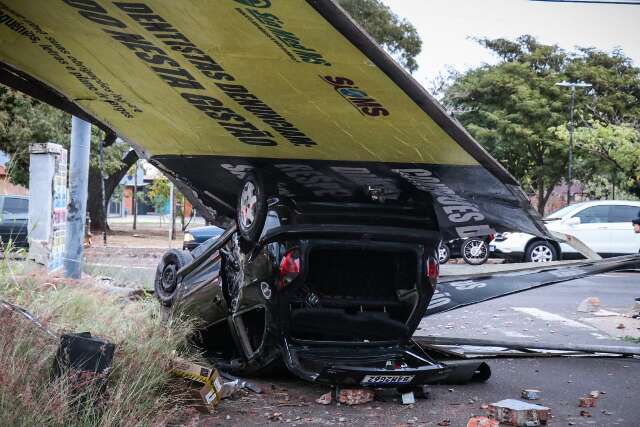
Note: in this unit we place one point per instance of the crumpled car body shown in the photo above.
(335, 304)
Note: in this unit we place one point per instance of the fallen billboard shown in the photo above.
(209, 91)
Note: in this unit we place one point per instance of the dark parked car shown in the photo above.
(14, 211)
(336, 303)
(194, 237)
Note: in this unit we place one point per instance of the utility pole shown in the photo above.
(134, 204)
(573, 87)
(77, 207)
(172, 212)
(102, 194)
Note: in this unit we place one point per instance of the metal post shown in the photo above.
(172, 212)
(134, 204)
(573, 87)
(570, 177)
(102, 194)
(77, 208)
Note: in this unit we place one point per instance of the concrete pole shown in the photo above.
(134, 205)
(77, 208)
(172, 212)
(102, 195)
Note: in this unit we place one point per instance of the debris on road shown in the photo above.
(588, 402)
(445, 423)
(212, 389)
(408, 398)
(325, 399)
(586, 414)
(351, 396)
(595, 394)
(482, 422)
(519, 414)
(589, 305)
(621, 326)
(84, 360)
(531, 394)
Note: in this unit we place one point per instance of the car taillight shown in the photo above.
(289, 268)
(491, 238)
(433, 269)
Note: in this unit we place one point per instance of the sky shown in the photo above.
(446, 25)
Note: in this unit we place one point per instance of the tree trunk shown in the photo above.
(541, 199)
(94, 201)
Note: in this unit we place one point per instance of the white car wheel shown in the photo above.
(248, 205)
(541, 251)
(475, 251)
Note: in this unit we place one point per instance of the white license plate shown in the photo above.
(492, 248)
(387, 379)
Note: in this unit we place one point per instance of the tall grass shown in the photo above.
(138, 389)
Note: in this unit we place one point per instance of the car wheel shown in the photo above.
(166, 280)
(541, 251)
(252, 209)
(444, 253)
(475, 251)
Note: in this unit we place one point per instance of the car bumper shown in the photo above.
(367, 367)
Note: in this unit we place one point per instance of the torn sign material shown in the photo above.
(210, 90)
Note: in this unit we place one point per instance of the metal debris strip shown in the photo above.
(531, 349)
(30, 317)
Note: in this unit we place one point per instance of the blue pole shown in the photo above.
(77, 208)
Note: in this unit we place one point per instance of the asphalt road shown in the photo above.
(547, 315)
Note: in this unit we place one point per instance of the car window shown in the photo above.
(593, 215)
(14, 205)
(621, 213)
(562, 211)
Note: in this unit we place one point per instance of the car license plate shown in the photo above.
(492, 248)
(387, 379)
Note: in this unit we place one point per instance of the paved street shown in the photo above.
(546, 314)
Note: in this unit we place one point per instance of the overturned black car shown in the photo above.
(336, 303)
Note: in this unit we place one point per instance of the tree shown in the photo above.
(398, 36)
(611, 151)
(158, 194)
(515, 110)
(24, 120)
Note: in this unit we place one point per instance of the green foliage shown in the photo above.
(515, 110)
(397, 35)
(24, 120)
(158, 194)
(609, 150)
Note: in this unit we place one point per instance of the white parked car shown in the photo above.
(604, 226)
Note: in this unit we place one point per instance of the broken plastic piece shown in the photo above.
(408, 398)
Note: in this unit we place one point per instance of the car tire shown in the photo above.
(165, 283)
(444, 253)
(541, 251)
(251, 209)
(475, 251)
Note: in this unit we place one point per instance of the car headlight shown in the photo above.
(188, 237)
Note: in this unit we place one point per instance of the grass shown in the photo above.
(139, 387)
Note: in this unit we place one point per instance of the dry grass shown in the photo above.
(138, 390)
